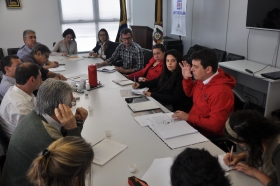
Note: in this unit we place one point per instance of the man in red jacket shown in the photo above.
(213, 98)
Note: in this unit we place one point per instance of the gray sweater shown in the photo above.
(32, 136)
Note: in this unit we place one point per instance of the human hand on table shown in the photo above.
(81, 114)
(135, 85)
(181, 115)
(146, 93)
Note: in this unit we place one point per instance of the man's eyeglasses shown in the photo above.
(47, 56)
(128, 38)
(32, 37)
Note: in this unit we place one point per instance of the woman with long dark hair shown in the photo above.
(167, 88)
(261, 139)
(104, 47)
(67, 45)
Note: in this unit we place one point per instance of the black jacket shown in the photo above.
(111, 46)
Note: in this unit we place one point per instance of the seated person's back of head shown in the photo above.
(65, 162)
(196, 167)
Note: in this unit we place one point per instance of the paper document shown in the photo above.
(76, 76)
(145, 120)
(109, 69)
(123, 81)
(139, 91)
(222, 163)
(159, 172)
(106, 150)
(57, 69)
(88, 57)
(166, 127)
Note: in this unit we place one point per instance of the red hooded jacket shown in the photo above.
(212, 103)
(150, 71)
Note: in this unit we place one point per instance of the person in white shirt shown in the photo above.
(19, 99)
(8, 66)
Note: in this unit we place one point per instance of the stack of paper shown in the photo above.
(106, 150)
(139, 91)
(123, 81)
(109, 69)
(159, 172)
(145, 120)
(57, 69)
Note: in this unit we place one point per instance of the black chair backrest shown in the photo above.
(234, 57)
(1, 53)
(193, 49)
(221, 54)
(4, 140)
(12, 51)
(148, 54)
(54, 44)
(240, 102)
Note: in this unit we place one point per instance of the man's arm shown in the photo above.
(221, 105)
(56, 75)
(124, 71)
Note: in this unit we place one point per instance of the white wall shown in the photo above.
(43, 17)
(143, 13)
(40, 16)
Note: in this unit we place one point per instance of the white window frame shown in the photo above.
(96, 20)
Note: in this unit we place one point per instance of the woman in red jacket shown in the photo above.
(153, 68)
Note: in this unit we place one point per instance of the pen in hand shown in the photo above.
(134, 79)
(230, 155)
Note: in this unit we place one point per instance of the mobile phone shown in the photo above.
(136, 99)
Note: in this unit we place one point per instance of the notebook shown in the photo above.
(123, 82)
(139, 91)
(106, 150)
(272, 75)
(109, 69)
(146, 105)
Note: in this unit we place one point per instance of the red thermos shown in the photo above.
(92, 75)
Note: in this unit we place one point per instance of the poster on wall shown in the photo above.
(178, 17)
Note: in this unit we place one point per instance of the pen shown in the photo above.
(230, 155)
(134, 79)
(61, 64)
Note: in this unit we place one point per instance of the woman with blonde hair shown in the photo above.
(64, 163)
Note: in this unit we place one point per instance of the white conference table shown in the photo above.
(110, 112)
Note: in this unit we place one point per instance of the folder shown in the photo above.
(146, 105)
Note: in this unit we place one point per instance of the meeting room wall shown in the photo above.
(40, 16)
(221, 24)
(143, 13)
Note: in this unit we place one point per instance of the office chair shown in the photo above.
(234, 57)
(240, 103)
(1, 53)
(12, 51)
(221, 55)
(148, 54)
(54, 44)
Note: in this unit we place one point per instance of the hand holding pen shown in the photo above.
(135, 85)
(231, 159)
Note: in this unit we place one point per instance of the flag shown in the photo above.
(158, 30)
(123, 19)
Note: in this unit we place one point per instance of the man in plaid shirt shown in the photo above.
(130, 52)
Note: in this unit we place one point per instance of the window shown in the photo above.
(87, 17)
